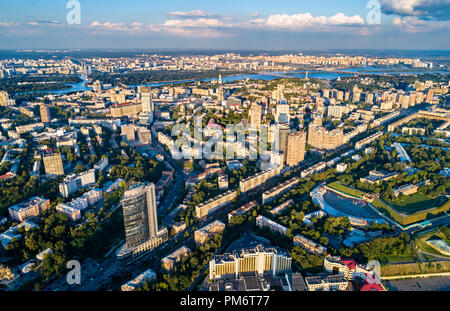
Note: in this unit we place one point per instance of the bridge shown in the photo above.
(275, 74)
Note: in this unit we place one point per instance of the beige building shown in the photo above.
(53, 164)
(45, 114)
(207, 232)
(296, 148)
(170, 260)
(204, 209)
(30, 208)
(255, 114)
(259, 259)
(121, 110)
(320, 138)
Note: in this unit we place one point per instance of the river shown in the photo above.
(323, 75)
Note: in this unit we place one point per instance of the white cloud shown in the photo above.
(8, 24)
(191, 14)
(413, 24)
(425, 9)
(305, 20)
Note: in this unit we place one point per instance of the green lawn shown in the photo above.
(415, 202)
(347, 190)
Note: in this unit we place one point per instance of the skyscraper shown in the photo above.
(45, 113)
(282, 140)
(4, 97)
(296, 143)
(255, 116)
(147, 102)
(97, 86)
(282, 113)
(139, 214)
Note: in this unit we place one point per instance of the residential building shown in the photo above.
(296, 148)
(210, 206)
(255, 114)
(170, 260)
(45, 114)
(30, 208)
(207, 232)
(147, 276)
(263, 222)
(309, 245)
(73, 183)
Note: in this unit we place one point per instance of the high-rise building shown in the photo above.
(296, 148)
(45, 114)
(283, 112)
(147, 101)
(278, 94)
(128, 132)
(335, 111)
(53, 164)
(4, 97)
(144, 135)
(97, 86)
(139, 214)
(255, 116)
(282, 140)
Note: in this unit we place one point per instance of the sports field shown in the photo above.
(405, 210)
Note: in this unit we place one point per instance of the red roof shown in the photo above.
(349, 263)
(7, 176)
(372, 288)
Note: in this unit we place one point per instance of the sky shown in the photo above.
(230, 24)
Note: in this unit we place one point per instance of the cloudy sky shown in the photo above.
(233, 24)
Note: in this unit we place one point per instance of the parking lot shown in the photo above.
(422, 284)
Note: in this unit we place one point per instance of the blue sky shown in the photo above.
(281, 24)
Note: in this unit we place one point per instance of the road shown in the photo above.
(437, 257)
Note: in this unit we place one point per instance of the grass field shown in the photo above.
(355, 192)
(415, 268)
(414, 203)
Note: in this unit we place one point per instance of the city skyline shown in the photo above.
(287, 24)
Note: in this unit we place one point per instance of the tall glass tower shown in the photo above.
(139, 214)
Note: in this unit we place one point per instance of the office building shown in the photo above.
(147, 101)
(282, 113)
(140, 222)
(53, 164)
(257, 260)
